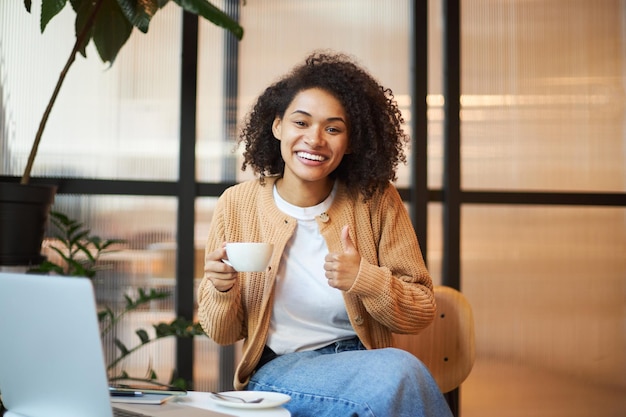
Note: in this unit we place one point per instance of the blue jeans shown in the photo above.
(345, 380)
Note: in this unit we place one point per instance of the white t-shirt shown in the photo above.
(307, 313)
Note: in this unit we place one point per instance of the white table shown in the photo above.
(203, 400)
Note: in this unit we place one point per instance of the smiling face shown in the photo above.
(314, 138)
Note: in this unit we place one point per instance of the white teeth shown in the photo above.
(310, 156)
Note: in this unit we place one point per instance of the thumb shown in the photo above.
(348, 246)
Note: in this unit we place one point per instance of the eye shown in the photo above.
(333, 130)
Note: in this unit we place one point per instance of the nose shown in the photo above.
(314, 137)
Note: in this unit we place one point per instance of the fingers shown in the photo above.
(341, 268)
(330, 278)
(217, 255)
(348, 246)
(221, 275)
(223, 283)
(336, 278)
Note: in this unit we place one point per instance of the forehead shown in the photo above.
(316, 99)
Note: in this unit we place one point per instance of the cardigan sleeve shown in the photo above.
(220, 313)
(395, 287)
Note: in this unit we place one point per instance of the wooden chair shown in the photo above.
(446, 347)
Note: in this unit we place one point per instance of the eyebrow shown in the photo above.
(330, 119)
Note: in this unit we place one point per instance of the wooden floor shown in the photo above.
(496, 389)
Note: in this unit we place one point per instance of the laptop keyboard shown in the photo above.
(118, 412)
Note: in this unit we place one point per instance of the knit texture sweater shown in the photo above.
(392, 293)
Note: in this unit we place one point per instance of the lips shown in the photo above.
(310, 156)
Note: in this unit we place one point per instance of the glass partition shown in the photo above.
(543, 109)
(542, 95)
(548, 292)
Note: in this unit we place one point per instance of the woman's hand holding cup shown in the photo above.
(222, 276)
(221, 265)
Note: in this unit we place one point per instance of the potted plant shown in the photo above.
(24, 207)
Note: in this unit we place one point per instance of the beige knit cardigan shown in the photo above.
(392, 292)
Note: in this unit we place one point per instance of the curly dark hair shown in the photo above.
(374, 120)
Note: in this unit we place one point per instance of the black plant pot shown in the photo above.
(24, 211)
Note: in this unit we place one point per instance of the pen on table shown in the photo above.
(124, 393)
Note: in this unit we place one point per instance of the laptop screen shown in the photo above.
(51, 358)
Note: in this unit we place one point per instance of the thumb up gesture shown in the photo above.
(342, 267)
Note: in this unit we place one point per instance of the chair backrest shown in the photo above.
(447, 346)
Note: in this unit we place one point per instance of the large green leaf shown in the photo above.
(111, 31)
(139, 12)
(49, 9)
(213, 14)
(116, 18)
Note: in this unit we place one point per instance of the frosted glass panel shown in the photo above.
(214, 148)
(549, 297)
(543, 100)
(117, 123)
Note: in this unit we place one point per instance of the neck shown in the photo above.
(304, 194)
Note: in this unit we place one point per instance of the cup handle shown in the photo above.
(227, 263)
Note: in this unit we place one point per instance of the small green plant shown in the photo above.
(78, 250)
(178, 327)
(78, 253)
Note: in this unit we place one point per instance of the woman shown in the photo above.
(325, 141)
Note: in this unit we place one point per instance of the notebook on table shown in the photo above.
(51, 357)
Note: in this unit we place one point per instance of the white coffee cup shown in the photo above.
(249, 256)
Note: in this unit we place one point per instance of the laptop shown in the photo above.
(51, 357)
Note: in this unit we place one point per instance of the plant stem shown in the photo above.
(130, 351)
(80, 39)
(115, 319)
